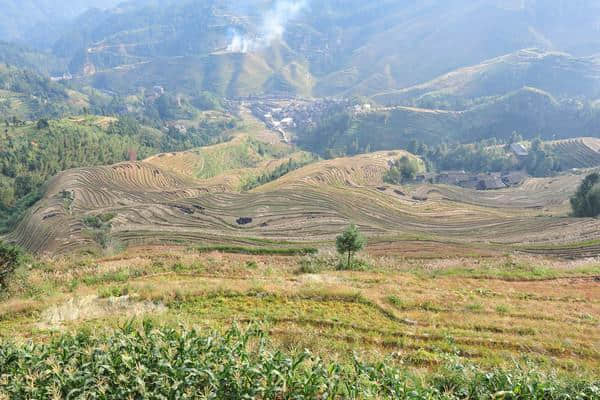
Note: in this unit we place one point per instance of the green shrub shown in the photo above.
(309, 266)
(113, 291)
(257, 251)
(402, 170)
(10, 256)
(586, 201)
(354, 265)
(397, 302)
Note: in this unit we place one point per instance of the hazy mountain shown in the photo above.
(27, 58)
(559, 74)
(332, 47)
(493, 61)
(30, 20)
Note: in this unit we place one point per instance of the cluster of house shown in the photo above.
(489, 181)
(281, 115)
(481, 181)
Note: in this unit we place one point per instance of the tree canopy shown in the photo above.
(586, 201)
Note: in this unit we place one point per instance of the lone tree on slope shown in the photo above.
(350, 242)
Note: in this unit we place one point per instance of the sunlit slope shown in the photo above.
(227, 166)
(577, 152)
(147, 203)
(358, 171)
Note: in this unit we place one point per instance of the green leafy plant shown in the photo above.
(165, 363)
(402, 170)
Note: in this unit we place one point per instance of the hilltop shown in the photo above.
(27, 95)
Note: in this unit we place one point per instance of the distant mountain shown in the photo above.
(20, 17)
(559, 74)
(327, 48)
(375, 46)
(492, 66)
(26, 58)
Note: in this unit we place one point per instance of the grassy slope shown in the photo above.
(425, 311)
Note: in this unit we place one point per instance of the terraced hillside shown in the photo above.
(227, 166)
(578, 152)
(187, 201)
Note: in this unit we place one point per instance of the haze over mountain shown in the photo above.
(330, 48)
(29, 20)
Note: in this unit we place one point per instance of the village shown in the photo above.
(285, 114)
(489, 181)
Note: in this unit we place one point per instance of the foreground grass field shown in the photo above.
(440, 324)
(183, 364)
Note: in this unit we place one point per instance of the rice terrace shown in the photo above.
(207, 199)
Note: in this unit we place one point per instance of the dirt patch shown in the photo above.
(92, 307)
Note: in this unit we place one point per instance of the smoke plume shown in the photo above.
(274, 23)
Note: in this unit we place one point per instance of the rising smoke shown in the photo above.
(274, 23)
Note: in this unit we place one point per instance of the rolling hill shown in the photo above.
(27, 95)
(529, 111)
(149, 203)
(204, 161)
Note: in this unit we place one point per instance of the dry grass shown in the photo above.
(422, 310)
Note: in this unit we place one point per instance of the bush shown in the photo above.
(113, 291)
(10, 257)
(586, 201)
(354, 265)
(312, 265)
